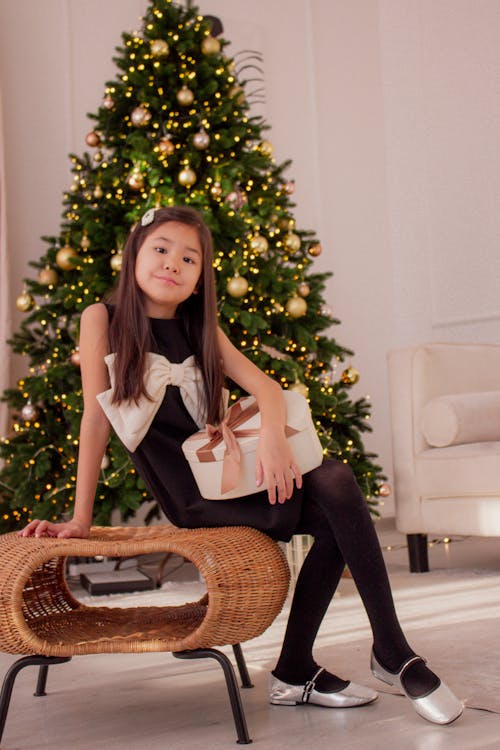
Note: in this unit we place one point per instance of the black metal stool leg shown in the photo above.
(246, 682)
(8, 683)
(42, 681)
(232, 687)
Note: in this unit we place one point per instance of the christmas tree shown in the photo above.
(175, 127)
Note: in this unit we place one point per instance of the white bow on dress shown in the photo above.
(130, 419)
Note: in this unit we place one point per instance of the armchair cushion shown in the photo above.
(467, 470)
(462, 418)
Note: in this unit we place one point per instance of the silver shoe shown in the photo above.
(440, 706)
(283, 694)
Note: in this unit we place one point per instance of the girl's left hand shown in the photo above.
(276, 466)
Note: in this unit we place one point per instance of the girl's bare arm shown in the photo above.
(94, 428)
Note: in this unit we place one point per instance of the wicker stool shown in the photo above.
(245, 573)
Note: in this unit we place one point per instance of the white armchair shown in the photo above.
(445, 412)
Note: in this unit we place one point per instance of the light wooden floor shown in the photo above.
(153, 701)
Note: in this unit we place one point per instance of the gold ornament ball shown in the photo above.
(296, 307)
(259, 244)
(326, 311)
(210, 46)
(116, 262)
(187, 177)
(85, 242)
(288, 187)
(350, 376)
(98, 193)
(136, 180)
(384, 490)
(301, 388)
(108, 102)
(185, 96)
(29, 412)
(166, 146)
(315, 250)
(66, 258)
(216, 190)
(292, 242)
(92, 139)
(159, 48)
(236, 92)
(266, 148)
(237, 286)
(105, 462)
(75, 358)
(201, 140)
(304, 289)
(286, 224)
(75, 185)
(48, 276)
(140, 116)
(24, 302)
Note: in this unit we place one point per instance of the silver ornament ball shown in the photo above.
(29, 412)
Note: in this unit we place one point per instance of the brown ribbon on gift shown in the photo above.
(228, 432)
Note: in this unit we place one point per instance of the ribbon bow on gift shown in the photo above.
(227, 431)
(130, 419)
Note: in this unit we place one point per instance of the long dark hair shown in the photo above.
(130, 330)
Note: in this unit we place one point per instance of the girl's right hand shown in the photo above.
(65, 530)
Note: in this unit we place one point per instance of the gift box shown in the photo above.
(223, 458)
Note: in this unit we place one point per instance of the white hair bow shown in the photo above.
(131, 420)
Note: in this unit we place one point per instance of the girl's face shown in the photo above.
(168, 267)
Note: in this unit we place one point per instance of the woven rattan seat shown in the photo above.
(246, 578)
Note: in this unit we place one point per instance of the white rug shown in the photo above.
(451, 618)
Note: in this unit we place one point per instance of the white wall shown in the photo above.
(354, 214)
(389, 110)
(441, 75)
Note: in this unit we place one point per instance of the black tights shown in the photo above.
(336, 515)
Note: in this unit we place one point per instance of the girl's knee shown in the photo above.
(335, 482)
(333, 472)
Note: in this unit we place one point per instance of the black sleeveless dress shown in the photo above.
(160, 462)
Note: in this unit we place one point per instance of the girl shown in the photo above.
(165, 305)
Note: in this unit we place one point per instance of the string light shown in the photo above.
(431, 543)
